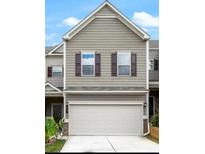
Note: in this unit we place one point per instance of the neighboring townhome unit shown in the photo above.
(153, 77)
(97, 79)
(54, 82)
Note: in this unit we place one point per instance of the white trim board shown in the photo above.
(105, 103)
(64, 64)
(89, 18)
(52, 86)
(57, 47)
(147, 64)
(55, 54)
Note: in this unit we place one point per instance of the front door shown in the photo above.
(57, 112)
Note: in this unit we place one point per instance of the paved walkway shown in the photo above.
(109, 144)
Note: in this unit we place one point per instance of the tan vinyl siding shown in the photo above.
(59, 50)
(105, 11)
(54, 95)
(104, 98)
(153, 75)
(154, 54)
(54, 61)
(106, 36)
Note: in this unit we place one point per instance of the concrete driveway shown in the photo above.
(109, 144)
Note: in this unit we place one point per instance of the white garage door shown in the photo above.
(105, 120)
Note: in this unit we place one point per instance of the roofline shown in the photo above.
(58, 46)
(67, 37)
(48, 83)
(130, 21)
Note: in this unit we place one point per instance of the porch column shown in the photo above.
(66, 125)
(64, 106)
(146, 118)
(147, 109)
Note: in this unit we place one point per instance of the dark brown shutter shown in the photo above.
(133, 65)
(114, 64)
(97, 64)
(78, 65)
(156, 64)
(49, 71)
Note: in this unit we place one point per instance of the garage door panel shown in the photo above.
(105, 119)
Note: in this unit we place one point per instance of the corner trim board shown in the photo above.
(64, 63)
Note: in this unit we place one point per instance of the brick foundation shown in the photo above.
(145, 126)
(65, 129)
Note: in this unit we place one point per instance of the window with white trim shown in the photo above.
(57, 71)
(124, 63)
(88, 63)
(151, 64)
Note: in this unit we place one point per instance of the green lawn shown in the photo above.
(55, 147)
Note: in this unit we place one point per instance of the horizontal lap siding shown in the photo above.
(59, 50)
(105, 11)
(106, 36)
(104, 98)
(153, 54)
(54, 61)
(154, 75)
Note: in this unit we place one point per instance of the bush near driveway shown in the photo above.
(51, 129)
(155, 120)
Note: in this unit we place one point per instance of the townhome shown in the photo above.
(97, 79)
(153, 77)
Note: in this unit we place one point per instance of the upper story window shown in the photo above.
(124, 63)
(154, 64)
(88, 63)
(57, 71)
(151, 64)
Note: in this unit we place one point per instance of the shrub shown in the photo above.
(51, 128)
(61, 125)
(155, 120)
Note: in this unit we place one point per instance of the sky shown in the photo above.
(62, 15)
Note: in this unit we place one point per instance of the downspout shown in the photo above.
(147, 85)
